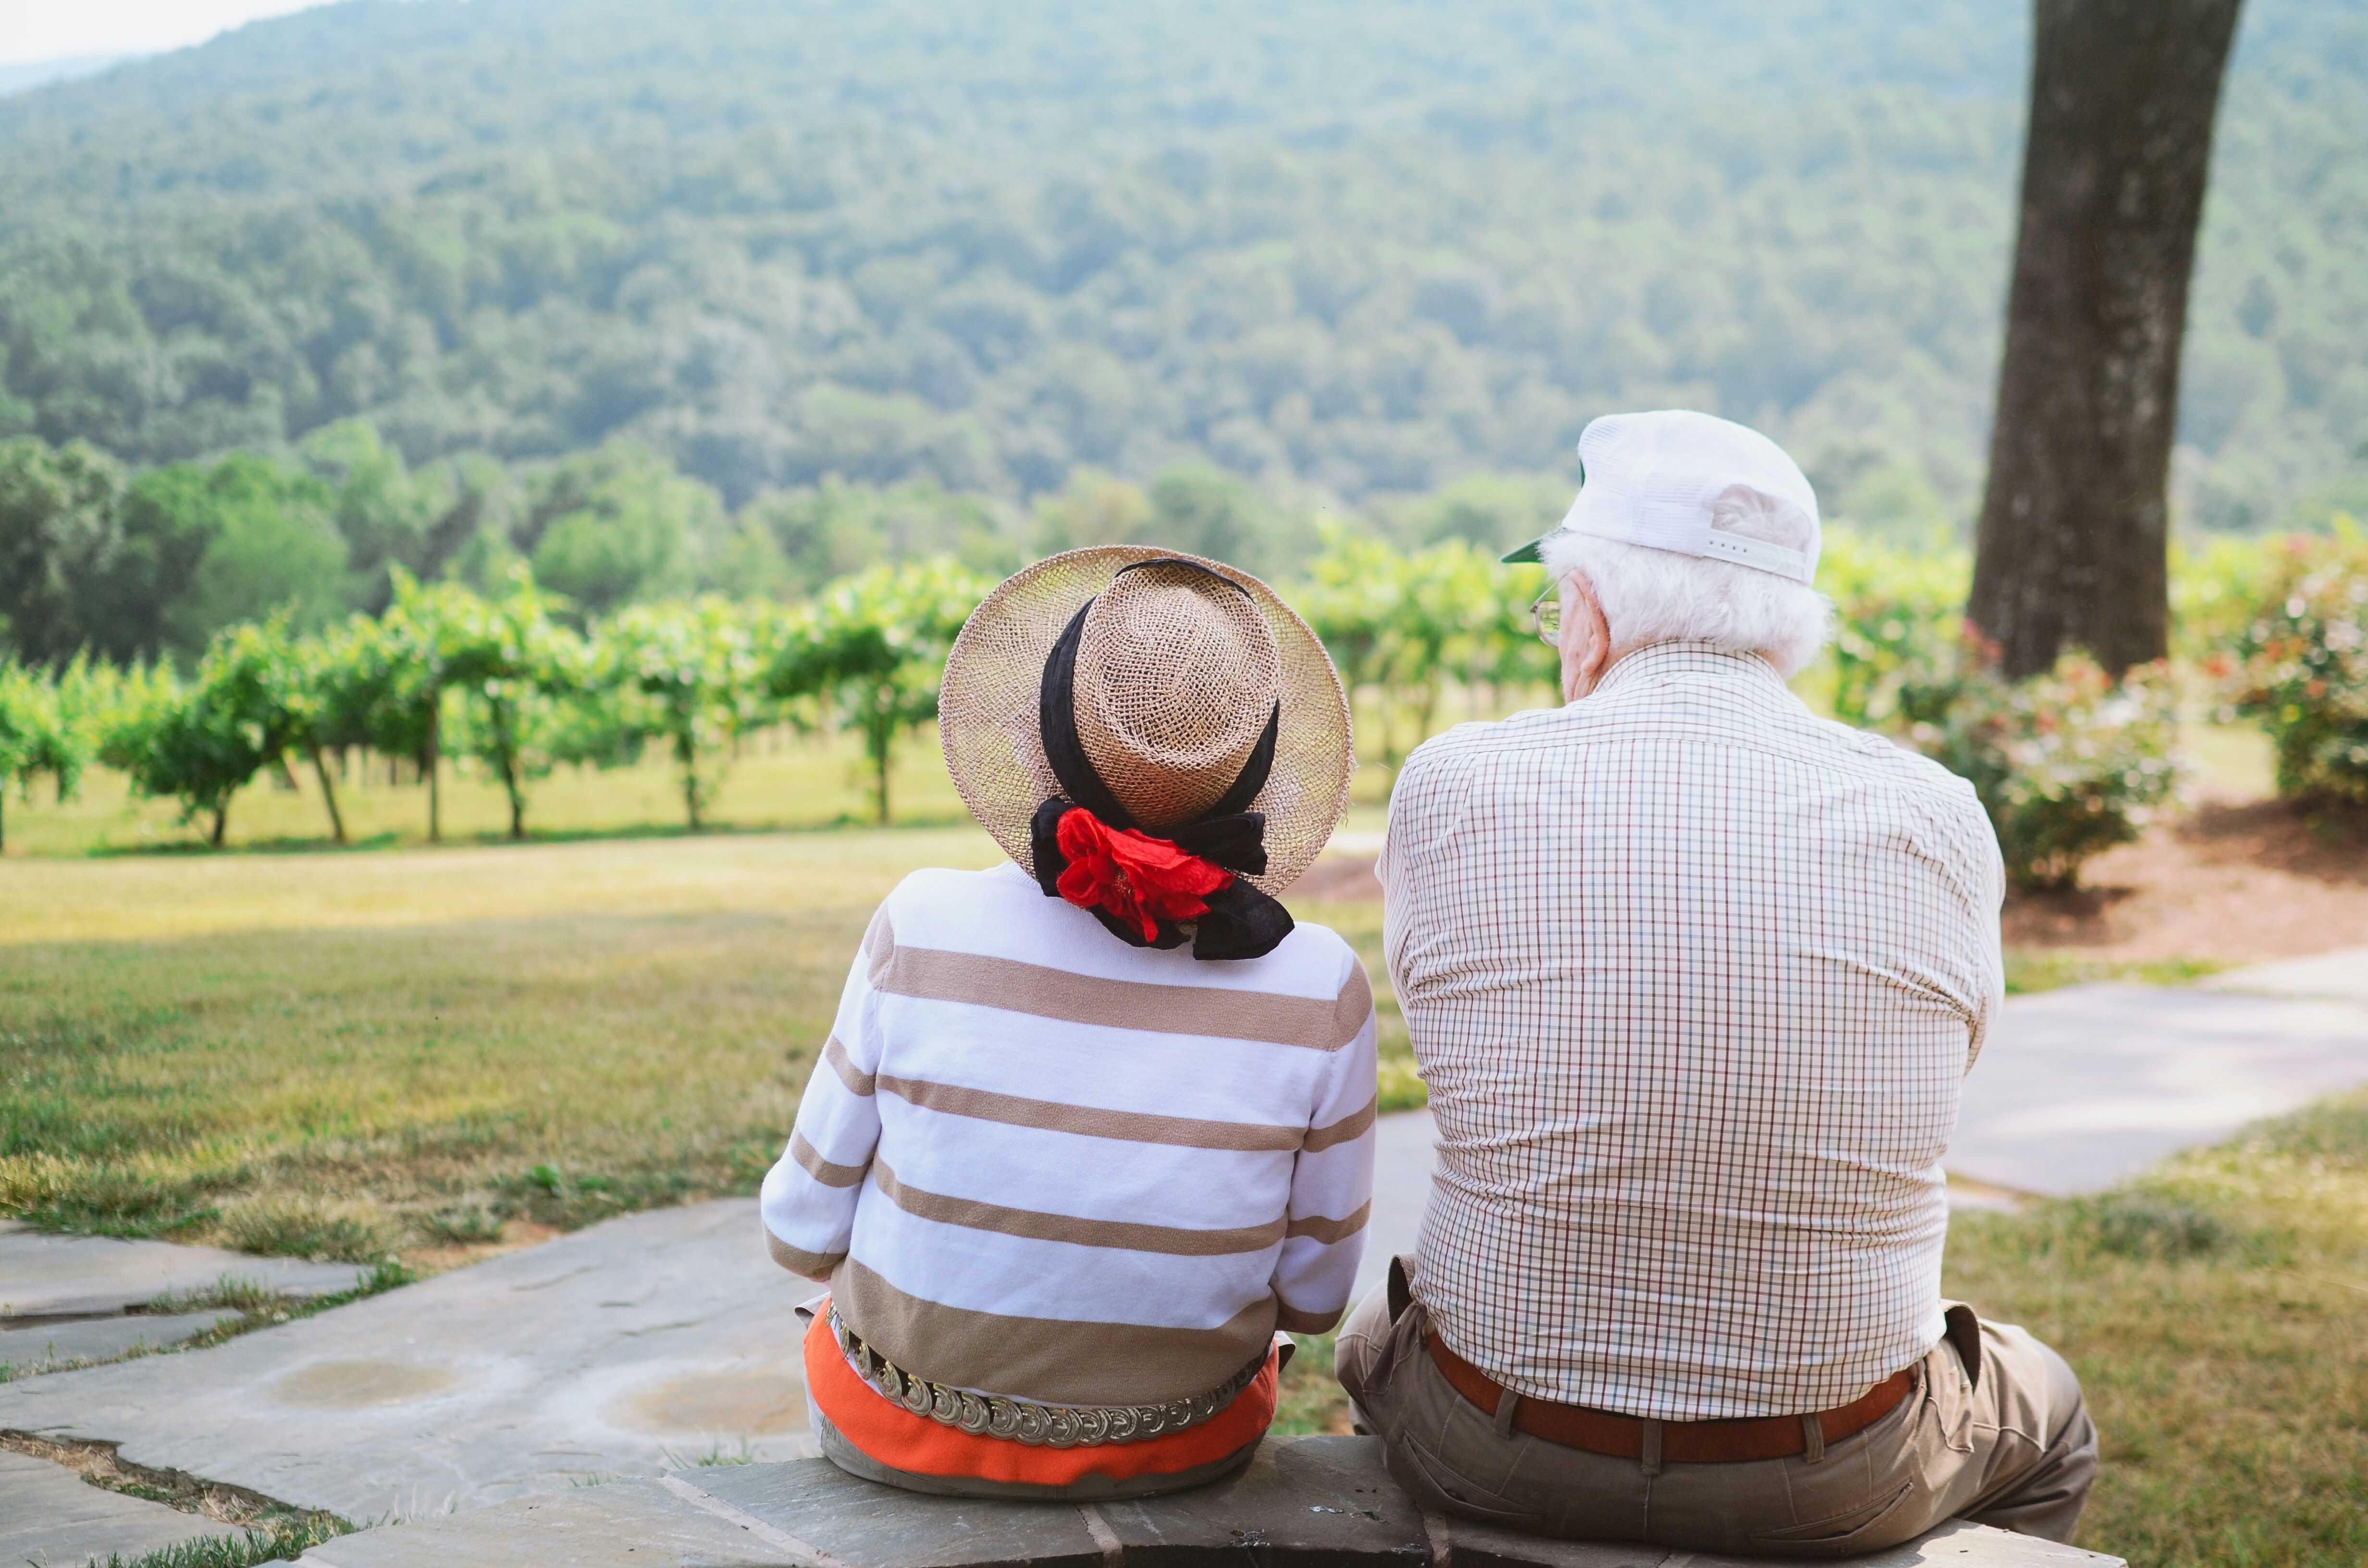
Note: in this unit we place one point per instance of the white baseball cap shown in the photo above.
(1655, 480)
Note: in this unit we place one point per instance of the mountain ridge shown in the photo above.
(1343, 249)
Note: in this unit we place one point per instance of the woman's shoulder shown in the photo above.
(1313, 961)
(943, 896)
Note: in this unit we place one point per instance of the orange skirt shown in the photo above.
(883, 1430)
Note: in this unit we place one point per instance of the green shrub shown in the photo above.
(2299, 663)
(2067, 764)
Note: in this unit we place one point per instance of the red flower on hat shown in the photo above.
(1139, 879)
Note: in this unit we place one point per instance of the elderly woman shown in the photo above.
(1092, 1126)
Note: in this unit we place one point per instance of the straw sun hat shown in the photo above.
(1155, 737)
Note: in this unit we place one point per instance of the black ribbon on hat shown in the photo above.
(1241, 922)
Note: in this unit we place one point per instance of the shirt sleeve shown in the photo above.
(1990, 955)
(1425, 801)
(1332, 1184)
(809, 1196)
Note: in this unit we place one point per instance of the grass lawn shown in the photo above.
(358, 1054)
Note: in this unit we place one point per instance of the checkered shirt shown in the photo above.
(1693, 977)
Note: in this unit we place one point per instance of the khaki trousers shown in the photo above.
(2007, 1442)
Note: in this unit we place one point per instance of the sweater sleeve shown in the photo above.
(809, 1196)
(1332, 1185)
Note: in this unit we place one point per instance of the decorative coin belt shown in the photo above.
(1037, 1426)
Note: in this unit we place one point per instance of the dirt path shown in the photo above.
(2232, 883)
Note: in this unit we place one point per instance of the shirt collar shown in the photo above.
(1668, 664)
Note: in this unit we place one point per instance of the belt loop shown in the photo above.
(1652, 1446)
(1508, 1402)
(1813, 1438)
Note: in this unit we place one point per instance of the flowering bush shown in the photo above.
(2300, 663)
(2067, 764)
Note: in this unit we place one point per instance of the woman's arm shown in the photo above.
(809, 1196)
(1332, 1185)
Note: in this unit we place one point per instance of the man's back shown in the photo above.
(1693, 977)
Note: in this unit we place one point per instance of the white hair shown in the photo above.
(1660, 595)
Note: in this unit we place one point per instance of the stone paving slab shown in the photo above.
(1302, 1503)
(2333, 977)
(639, 1343)
(46, 1275)
(100, 1339)
(2080, 1087)
(621, 1524)
(860, 1524)
(51, 1517)
(1403, 1161)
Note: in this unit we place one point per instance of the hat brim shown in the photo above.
(987, 708)
(1529, 555)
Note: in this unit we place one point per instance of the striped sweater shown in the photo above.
(1039, 1162)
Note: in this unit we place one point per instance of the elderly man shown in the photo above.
(1693, 977)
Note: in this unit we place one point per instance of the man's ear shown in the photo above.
(1586, 638)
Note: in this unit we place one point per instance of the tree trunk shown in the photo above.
(506, 730)
(329, 795)
(2074, 536)
(433, 763)
(222, 824)
(687, 753)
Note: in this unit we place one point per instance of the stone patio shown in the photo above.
(50, 1342)
(47, 1276)
(648, 1340)
(50, 1519)
(1302, 1502)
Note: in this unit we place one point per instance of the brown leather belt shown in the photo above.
(1682, 1442)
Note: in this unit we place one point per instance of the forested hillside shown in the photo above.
(1332, 247)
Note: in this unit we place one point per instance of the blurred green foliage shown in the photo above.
(1355, 251)
(1896, 614)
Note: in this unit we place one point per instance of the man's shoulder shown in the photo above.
(1908, 770)
(1483, 737)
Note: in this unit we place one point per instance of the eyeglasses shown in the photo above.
(1545, 615)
